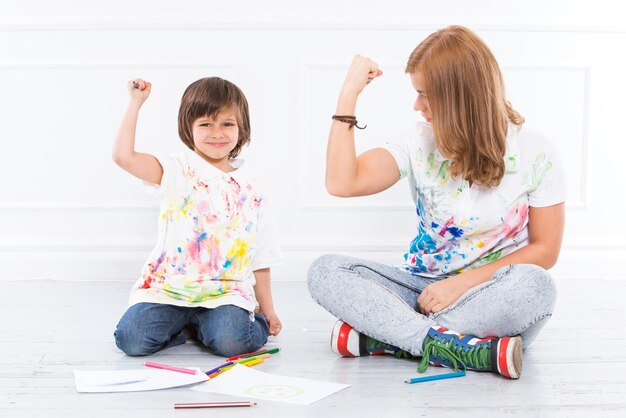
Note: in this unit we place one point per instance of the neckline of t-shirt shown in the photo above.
(207, 167)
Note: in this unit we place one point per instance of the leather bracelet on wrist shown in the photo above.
(350, 120)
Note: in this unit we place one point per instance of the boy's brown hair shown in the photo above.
(466, 97)
(208, 97)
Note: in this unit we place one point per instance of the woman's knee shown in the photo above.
(534, 302)
(539, 285)
(321, 272)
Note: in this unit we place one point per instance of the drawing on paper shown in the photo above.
(274, 391)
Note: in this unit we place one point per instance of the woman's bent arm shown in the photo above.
(346, 174)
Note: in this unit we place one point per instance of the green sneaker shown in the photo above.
(348, 342)
(447, 348)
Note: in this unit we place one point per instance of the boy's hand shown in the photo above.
(139, 89)
(273, 322)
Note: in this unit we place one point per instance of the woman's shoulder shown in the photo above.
(532, 147)
(422, 131)
(530, 140)
(416, 134)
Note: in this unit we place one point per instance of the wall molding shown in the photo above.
(36, 206)
(366, 245)
(69, 265)
(107, 65)
(298, 22)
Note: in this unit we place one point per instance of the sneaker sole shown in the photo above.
(509, 360)
(344, 341)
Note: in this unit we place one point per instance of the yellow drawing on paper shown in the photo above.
(274, 391)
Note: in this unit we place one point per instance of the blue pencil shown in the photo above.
(435, 377)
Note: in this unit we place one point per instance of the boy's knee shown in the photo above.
(230, 342)
(133, 344)
(231, 332)
(233, 347)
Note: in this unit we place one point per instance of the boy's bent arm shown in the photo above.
(263, 293)
(141, 165)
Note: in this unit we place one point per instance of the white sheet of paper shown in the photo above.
(246, 382)
(133, 380)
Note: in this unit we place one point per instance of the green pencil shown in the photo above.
(258, 353)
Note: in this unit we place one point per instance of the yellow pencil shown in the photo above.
(253, 362)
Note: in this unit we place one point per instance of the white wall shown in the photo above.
(67, 212)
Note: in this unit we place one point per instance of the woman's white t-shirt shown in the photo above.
(461, 226)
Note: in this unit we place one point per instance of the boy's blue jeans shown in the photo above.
(381, 301)
(227, 330)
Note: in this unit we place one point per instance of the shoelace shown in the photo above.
(478, 357)
(373, 344)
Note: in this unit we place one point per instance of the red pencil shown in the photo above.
(244, 355)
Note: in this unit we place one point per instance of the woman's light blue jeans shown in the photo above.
(227, 330)
(381, 301)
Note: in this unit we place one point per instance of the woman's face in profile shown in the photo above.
(421, 102)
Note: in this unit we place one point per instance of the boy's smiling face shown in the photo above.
(215, 137)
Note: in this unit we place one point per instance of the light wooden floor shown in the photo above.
(577, 367)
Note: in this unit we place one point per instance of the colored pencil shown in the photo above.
(252, 362)
(239, 360)
(227, 368)
(244, 359)
(435, 377)
(212, 405)
(210, 372)
(247, 354)
(171, 368)
(270, 351)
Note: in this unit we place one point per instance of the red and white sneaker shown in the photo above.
(348, 342)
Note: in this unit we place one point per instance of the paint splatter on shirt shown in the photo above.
(214, 231)
(461, 226)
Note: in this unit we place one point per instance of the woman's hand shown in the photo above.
(273, 322)
(439, 295)
(139, 89)
(362, 70)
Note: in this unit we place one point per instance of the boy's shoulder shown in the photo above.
(246, 172)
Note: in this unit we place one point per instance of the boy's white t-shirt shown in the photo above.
(461, 227)
(214, 231)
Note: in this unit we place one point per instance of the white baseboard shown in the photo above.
(600, 263)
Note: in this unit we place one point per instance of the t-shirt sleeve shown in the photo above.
(268, 252)
(171, 175)
(548, 179)
(398, 147)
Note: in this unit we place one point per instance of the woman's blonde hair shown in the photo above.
(467, 102)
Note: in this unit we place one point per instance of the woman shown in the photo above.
(473, 289)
